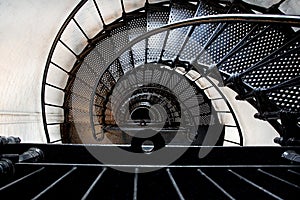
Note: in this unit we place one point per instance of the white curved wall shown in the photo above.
(27, 31)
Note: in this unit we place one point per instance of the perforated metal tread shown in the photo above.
(177, 37)
(224, 43)
(157, 16)
(256, 51)
(137, 27)
(201, 33)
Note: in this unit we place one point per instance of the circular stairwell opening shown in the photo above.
(158, 97)
(142, 115)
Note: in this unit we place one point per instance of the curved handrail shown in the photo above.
(245, 18)
(53, 47)
(293, 21)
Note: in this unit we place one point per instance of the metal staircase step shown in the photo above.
(176, 37)
(137, 26)
(157, 16)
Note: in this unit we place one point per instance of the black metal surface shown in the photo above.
(70, 171)
(8, 161)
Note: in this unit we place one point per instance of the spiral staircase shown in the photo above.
(205, 46)
(154, 74)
